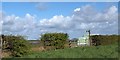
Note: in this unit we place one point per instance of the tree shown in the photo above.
(57, 40)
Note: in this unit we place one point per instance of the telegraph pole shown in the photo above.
(89, 37)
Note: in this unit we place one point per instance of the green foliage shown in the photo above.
(54, 39)
(17, 45)
(104, 39)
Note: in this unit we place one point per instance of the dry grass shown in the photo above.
(40, 48)
(5, 54)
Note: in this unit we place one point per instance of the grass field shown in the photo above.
(108, 51)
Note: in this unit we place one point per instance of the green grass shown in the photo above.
(109, 51)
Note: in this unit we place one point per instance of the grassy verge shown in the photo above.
(108, 51)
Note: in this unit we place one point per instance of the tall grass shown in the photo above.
(108, 51)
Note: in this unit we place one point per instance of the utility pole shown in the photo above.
(89, 37)
(1, 47)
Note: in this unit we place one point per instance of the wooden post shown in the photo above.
(1, 47)
(69, 44)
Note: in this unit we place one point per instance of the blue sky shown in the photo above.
(60, 0)
(32, 18)
(20, 8)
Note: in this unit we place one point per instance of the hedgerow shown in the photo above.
(104, 39)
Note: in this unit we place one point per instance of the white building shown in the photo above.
(83, 41)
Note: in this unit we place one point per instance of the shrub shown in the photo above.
(17, 45)
(57, 40)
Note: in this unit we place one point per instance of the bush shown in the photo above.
(57, 40)
(104, 39)
(17, 45)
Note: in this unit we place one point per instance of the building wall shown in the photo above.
(83, 41)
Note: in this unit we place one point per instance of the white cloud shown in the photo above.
(19, 25)
(112, 10)
(41, 6)
(77, 9)
(82, 19)
(59, 22)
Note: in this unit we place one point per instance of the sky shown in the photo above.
(32, 19)
(60, 0)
